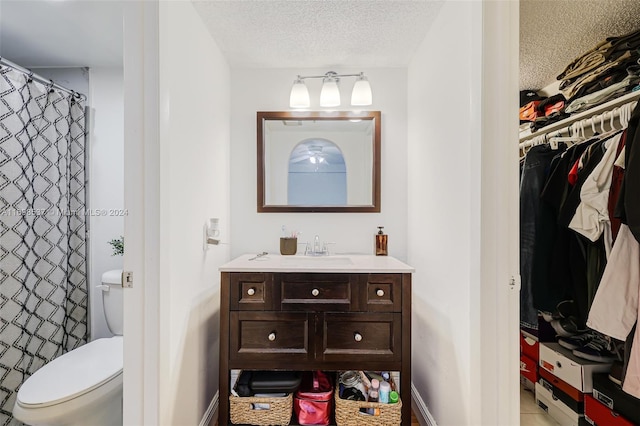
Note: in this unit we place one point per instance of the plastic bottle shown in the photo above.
(374, 393)
(393, 397)
(383, 394)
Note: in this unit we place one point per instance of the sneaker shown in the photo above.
(577, 341)
(565, 327)
(616, 372)
(598, 350)
(566, 309)
(547, 316)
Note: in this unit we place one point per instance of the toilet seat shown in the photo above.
(73, 374)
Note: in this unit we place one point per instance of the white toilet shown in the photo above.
(83, 386)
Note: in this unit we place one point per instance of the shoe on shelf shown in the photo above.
(547, 316)
(599, 349)
(577, 341)
(617, 372)
(565, 327)
(566, 309)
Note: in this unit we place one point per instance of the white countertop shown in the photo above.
(347, 263)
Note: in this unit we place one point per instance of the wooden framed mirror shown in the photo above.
(318, 161)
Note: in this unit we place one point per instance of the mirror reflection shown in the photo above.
(318, 161)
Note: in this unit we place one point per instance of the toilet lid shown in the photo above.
(74, 373)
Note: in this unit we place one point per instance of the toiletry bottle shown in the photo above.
(373, 397)
(381, 242)
(383, 393)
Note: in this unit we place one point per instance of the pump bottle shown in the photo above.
(381, 242)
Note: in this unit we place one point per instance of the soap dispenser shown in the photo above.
(381, 242)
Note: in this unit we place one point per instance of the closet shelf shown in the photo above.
(629, 97)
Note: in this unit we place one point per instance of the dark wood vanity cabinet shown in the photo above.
(315, 321)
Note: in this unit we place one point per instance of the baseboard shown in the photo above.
(420, 409)
(212, 411)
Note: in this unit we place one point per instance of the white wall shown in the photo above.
(268, 90)
(106, 182)
(194, 186)
(443, 208)
(463, 212)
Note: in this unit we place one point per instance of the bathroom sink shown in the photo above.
(305, 261)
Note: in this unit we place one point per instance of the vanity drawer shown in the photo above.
(383, 293)
(317, 292)
(370, 337)
(269, 336)
(251, 292)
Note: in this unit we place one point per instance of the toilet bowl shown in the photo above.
(83, 386)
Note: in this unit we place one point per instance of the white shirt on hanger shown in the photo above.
(592, 215)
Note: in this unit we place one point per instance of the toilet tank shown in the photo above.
(112, 300)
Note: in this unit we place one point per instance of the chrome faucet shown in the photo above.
(316, 245)
(316, 249)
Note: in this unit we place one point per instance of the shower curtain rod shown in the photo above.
(40, 79)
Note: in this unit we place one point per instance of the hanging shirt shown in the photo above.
(591, 218)
(615, 307)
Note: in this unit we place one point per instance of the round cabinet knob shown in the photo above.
(315, 292)
(357, 337)
(380, 292)
(272, 337)
(251, 291)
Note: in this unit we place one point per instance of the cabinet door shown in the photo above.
(265, 336)
(369, 336)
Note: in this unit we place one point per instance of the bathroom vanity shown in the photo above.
(327, 313)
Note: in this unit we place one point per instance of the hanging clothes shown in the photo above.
(535, 171)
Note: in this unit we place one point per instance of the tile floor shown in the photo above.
(530, 413)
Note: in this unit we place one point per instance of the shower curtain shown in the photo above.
(43, 242)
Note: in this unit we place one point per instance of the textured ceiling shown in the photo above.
(314, 34)
(554, 32)
(308, 33)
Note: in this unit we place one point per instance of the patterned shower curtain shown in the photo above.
(43, 242)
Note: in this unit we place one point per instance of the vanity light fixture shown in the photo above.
(330, 93)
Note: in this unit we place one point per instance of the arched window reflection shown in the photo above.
(317, 174)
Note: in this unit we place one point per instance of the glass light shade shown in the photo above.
(299, 97)
(330, 94)
(361, 94)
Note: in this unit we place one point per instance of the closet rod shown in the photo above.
(563, 125)
(587, 119)
(40, 79)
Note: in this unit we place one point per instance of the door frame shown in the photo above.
(141, 372)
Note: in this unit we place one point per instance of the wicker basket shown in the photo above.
(348, 413)
(278, 414)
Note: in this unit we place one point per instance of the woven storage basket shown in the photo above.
(278, 414)
(348, 413)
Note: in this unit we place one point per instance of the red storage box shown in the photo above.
(313, 402)
(600, 414)
(529, 368)
(529, 346)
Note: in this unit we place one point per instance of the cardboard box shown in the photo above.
(577, 372)
(562, 414)
(557, 393)
(565, 387)
(528, 368)
(612, 396)
(598, 414)
(529, 345)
